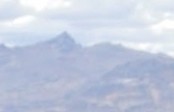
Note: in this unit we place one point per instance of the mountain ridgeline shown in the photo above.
(60, 75)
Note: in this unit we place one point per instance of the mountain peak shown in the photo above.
(63, 42)
(65, 34)
(63, 37)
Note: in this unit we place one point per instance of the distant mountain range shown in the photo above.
(61, 75)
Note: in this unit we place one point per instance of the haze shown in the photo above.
(148, 24)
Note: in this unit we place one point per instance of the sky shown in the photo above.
(140, 24)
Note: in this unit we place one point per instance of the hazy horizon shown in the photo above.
(147, 24)
(86, 55)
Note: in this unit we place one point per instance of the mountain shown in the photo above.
(60, 75)
(63, 42)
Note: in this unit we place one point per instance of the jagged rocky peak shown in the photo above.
(64, 42)
(64, 38)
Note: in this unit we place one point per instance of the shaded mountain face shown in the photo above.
(60, 75)
(63, 42)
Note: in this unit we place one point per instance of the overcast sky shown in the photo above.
(143, 24)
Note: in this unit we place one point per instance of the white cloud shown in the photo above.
(150, 47)
(164, 48)
(162, 26)
(10, 9)
(20, 21)
(170, 53)
(41, 5)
